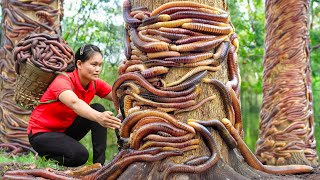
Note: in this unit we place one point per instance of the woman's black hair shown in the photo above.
(84, 53)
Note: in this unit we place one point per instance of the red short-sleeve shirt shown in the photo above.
(56, 116)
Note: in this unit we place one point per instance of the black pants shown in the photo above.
(66, 148)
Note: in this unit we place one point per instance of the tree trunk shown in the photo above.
(177, 55)
(146, 126)
(287, 125)
(18, 20)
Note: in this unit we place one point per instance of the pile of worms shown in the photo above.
(19, 19)
(287, 124)
(50, 53)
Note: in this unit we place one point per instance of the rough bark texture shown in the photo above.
(18, 20)
(231, 164)
(164, 138)
(287, 125)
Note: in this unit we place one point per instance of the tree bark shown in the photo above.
(287, 125)
(231, 166)
(164, 138)
(18, 20)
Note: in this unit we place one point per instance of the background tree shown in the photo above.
(18, 20)
(143, 163)
(287, 125)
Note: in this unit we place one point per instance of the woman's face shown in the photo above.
(90, 69)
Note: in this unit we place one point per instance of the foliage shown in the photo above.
(95, 22)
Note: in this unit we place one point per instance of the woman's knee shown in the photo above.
(98, 107)
(80, 157)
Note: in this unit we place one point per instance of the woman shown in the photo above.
(64, 116)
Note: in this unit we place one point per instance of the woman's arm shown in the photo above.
(109, 96)
(106, 119)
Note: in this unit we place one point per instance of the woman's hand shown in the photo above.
(107, 120)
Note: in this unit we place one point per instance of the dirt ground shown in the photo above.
(315, 175)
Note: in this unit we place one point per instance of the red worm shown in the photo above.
(183, 4)
(168, 35)
(193, 80)
(143, 82)
(6, 11)
(154, 71)
(207, 62)
(142, 100)
(155, 19)
(127, 47)
(39, 173)
(222, 51)
(144, 46)
(60, 46)
(163, 54)
(159, 62)
(197, 161)
(139, 134)
(132, 86)
(200, 46)
(191, 39)
(190, 58)
(179, 31)
(237, 110)
(123, 67)
(223, 132)
(200, 15)
(136, 116)
(169, 24)
(147, 120)
(176, 9)
(55, 51)
(212, 145)
(206, 28)
(18, 177)
(172, 100)
(251, 159)
(191, 73)
(224, 95)
(158, 138)
(47, 16)
(133, 22)
(177, 145)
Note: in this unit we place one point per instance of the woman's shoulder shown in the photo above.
(100, 81)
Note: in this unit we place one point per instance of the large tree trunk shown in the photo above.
(19, 19)
(287, 125)
(212, 110)
(164, 138)
(221, 153)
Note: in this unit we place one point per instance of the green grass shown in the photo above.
(40, 162)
